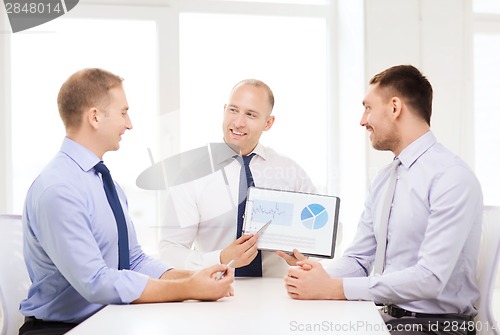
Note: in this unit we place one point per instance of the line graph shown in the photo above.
(280, 213)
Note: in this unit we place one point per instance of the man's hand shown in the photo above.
(242, 251)
(180, 285)
(309, 281)
(293, 258)
(204, 284)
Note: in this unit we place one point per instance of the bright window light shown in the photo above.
(303, 2)
(487, 114)
(486, 6)
(43, 58)
(287, 53)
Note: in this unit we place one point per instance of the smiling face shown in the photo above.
(113, 119)
(378, 119)
(246, 116)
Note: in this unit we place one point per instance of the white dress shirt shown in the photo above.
(203, 213)
(432, 240)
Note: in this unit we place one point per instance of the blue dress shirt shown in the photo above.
(432, 239)
(71, 243)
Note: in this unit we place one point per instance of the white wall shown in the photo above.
(435, 36)
(5, 184)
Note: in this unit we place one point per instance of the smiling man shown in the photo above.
(421, 225)
(203, 224)
(247, 115)
(80, 246)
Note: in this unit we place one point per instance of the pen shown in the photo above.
(261, 230)
(221, 273)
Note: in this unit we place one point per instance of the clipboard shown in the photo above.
(303, 221)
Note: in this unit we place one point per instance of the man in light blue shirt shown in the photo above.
(434, 225)
(70, 231)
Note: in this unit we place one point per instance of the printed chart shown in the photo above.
(281, 213)
(314, 216)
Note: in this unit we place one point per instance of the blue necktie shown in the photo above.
(254, 269)
(114, 202)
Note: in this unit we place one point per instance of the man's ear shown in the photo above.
(397, 105)
(93, 117)
(269, 123)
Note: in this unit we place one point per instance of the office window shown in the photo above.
(43, 58)
(304, 2)
(180, 63)
(487, 115)
(486, 6)
(287, 53)
(299, 52)
(486, 88)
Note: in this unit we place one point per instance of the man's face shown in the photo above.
(114, 119)
(246, 116)
(377, 120)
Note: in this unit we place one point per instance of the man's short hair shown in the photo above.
(84, 89)
(409, 83)
(258, 83)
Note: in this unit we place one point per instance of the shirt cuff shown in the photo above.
(211, 258)
(357, 288)
(130, 285)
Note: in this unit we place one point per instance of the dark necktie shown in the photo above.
(254, 269)
(114, 202)
(384, 220)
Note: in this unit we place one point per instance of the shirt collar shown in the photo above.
(82, 156)
(221, 152)
(260, 150)
(416, 149)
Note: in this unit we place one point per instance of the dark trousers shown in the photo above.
(33, 326)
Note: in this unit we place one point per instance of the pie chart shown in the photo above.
(314, 216)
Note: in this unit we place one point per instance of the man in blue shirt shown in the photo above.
(430, 230)
(70, 231)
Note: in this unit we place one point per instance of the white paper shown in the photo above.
(303, 221)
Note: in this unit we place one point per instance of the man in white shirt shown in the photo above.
(203, 213)
(426, 276)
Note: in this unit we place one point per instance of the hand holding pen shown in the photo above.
(222, 273)
(244, 249)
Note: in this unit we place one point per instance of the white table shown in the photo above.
(259, 306)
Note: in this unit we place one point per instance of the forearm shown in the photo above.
(175, 274)
(335, 289)
(178, 285)
(165, 290)
(348, 266)
(411, 284)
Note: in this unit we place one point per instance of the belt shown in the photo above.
(398, 312)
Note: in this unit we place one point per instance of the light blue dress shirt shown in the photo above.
(71, 242)
(433, 235)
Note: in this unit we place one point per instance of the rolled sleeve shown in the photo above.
(130, 285)
(357, 288)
